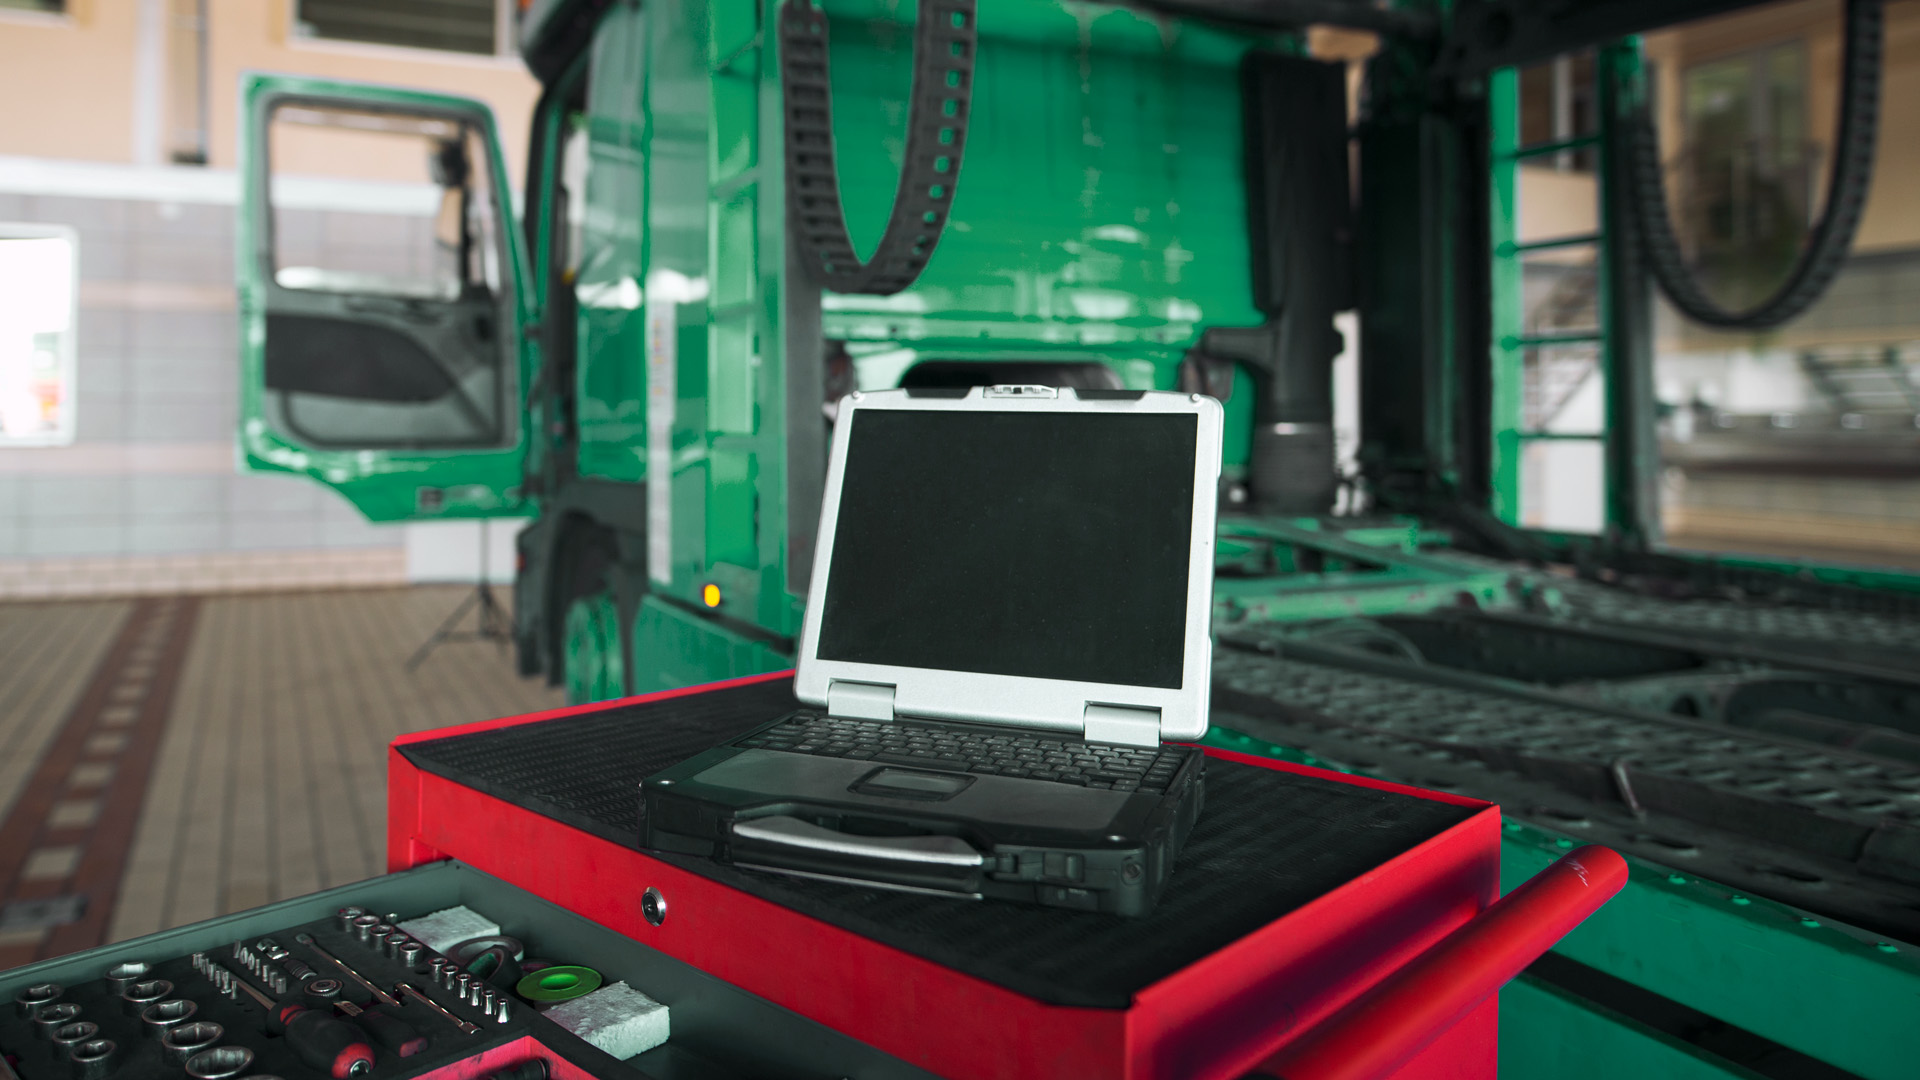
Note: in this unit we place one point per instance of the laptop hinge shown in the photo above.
(860, 700)
(1123, 725)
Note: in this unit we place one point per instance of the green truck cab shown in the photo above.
(641, 363)
(639, 353)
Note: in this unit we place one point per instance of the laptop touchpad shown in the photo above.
(917, 784)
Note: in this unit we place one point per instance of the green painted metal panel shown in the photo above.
(383, 484)
(673, 647)
(610, 376)
(1100, 198)
(1101, 214)
(1549, 1034)
(734, 24)
(731, 495)
(1833, 992)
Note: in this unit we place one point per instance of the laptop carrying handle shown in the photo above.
(783, 830)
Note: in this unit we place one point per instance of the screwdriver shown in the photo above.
(394, 1033)
(324, 1042)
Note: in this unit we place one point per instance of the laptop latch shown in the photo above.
(1123, 725)
(859, 700)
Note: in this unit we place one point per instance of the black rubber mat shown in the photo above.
(1267, 842)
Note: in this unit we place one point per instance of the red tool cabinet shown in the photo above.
(1317, 924)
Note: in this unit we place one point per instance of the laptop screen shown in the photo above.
(1054, 545)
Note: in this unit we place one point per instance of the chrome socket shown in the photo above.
(125, 974)
(220, 1063)
(67, 1036)
(163, 1016)
(346, 915)
(186, 1040)
(137, 997)
(30, 1001)
(93, 1059)
(53, 1018)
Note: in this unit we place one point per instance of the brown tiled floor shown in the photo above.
(47, 654)
(270, 778)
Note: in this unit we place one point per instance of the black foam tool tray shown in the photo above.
(138, 1054)
(1267, 842)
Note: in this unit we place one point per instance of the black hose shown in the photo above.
(937, 114)
(1831, 238)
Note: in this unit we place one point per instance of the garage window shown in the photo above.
(463, 26)
(37, 301)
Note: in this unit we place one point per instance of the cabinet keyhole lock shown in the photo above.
(653, 906)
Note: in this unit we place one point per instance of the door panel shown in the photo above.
(383, 299)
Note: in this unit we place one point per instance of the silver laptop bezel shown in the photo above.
(1021, 701)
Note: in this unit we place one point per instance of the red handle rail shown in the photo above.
(1385, 1027)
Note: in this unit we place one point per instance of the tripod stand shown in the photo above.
(493, 624)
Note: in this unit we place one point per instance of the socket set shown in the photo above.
(349, 997)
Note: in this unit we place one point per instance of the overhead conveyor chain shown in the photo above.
(1822, 829)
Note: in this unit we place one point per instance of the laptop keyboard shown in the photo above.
(1063, 759)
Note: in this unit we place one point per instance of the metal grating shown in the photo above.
(1855, 814)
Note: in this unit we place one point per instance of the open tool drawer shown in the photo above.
(718, 1031)
(1302, 898)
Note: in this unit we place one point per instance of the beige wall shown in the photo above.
(255, 35)
(1892, 219)
(70, 83)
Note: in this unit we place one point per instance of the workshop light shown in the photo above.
(710, 594)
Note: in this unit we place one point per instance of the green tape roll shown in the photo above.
(562, 983)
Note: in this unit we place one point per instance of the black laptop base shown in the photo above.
(896, 823)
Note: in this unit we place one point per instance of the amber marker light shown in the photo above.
(710, 594)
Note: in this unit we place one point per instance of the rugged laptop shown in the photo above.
(1007, 620)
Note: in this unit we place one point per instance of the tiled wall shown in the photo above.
(148, 497)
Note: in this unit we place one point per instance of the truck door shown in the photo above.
(382, 298)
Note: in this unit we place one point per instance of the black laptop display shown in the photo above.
(1008, 619)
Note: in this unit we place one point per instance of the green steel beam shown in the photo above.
(1509, 315)
(1399, 578)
